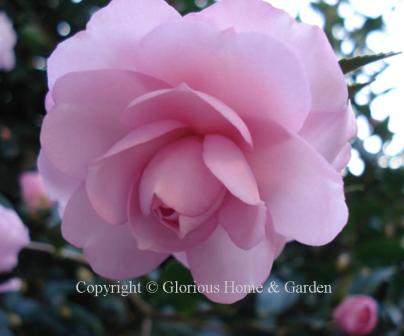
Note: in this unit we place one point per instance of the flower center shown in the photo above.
(166, 215)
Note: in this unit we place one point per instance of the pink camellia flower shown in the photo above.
(8, 39)
(13, 237)
(11, 285)
(33, 191)
(214, 137)
(356, 315)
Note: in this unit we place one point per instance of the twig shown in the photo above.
(64, 253)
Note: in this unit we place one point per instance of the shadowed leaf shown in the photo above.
(351, 64)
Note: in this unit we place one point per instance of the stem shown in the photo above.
(64, 253)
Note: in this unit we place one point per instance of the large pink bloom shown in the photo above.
(13, 237)
(215, 137)
(356, 315)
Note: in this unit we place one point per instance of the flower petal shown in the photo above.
(113, 253)
(111, 37)
(85, 115)
(178, 176)
(59, 186)
(227, 162)
(151, 235)
(329, 133)
(303, 192)
(253, 73)
(309, 43)
(80, 221)
(204, 113)
(110, 179)
(245, 224)
(342, 158)
(218, 260)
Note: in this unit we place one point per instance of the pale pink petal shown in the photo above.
(309, 43)
(49, 101)
(182, 258)
(329, 125)
(152, 235)
(227, 162)
(329, 133)
(342, 158)
(59, 186)
(204, 113)
(303, 192)
(245, 224)
(278, 241)
(253, 73)
(85, 116)
(178, 176)
(111, 37)
(113, 253)
(80, 221)
(218, 260)
(189, 223)
(110, 179)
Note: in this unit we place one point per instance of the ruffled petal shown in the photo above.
(59, 186)
(329, 133)
(178, 176)
(204, 113)
(343, 157)
(253, 73)
(113, 253)
(85, 115)
(227, 162)
(309, 43)
(110, 179)
(245, 224)
(111, 37)
(218, 260)
(80, 221)
(303, 192)
(151, 235)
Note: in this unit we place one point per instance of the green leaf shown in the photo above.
(351, 64)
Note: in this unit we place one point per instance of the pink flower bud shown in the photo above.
(33, 191)
(356, 315)
(11, 285)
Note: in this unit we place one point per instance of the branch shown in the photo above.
(64, 253)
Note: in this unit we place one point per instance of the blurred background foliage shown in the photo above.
(367, 258)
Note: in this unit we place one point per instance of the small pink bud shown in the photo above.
(356, 315)
(33, 192)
